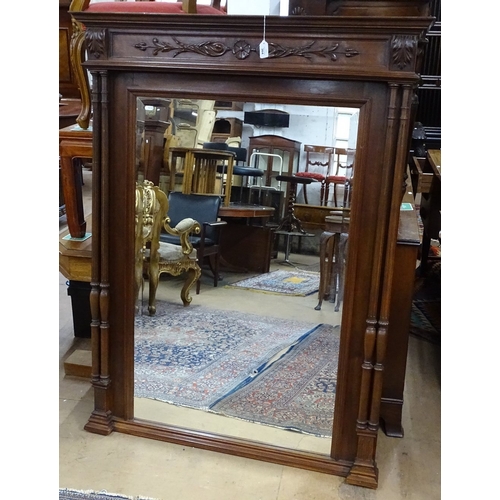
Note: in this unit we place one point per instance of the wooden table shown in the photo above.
(434, 156)
(331, 258)
(200, 170)
(246, 246)
(75, 256)
(69, 109)
(74, 142)
(246, 211)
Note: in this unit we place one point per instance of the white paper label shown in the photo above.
(263, 49)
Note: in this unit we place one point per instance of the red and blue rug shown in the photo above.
(194, 356)
(297, 392)
(274, 371)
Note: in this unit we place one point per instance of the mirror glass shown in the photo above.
(252, 359)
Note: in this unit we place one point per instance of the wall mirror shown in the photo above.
(358, 61)
(190, 123)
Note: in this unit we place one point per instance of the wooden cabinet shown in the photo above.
(224, 128)
(288, 149)
(399, 320)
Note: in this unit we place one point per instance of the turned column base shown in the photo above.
(100, 423)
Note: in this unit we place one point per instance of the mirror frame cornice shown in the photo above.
(346, 61)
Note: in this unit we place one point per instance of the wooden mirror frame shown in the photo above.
(363, 61)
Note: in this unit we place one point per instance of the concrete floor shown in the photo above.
(409, 468)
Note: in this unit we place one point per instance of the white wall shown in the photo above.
(254, 7)
(315, 125)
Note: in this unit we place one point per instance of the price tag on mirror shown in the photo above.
(263, 49)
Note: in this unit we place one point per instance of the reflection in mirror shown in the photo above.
(253, 354)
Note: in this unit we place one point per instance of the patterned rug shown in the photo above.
(67, 494)
(297, 392)
(194, 356)
(297, 282)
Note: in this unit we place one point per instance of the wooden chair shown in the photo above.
(344, 171)
(153, 257)
(317, 158)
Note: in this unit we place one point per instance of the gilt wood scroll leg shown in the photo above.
(193, 275)
(154, 277)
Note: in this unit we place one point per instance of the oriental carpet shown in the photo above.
(297, 392)
(283, 282)
(194, 356)
(69, 494)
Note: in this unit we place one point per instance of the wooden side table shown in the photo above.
(246, 247)
(331, 259)
(199, 170)
(74, 142)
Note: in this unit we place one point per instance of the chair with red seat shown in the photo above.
(318, 166)
(344, 170)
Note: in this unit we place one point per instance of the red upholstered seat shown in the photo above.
(311, 175)
(336, 178)
(150, 8)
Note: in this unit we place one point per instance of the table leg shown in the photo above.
(72, 192)
(327, 240)
(72, 183)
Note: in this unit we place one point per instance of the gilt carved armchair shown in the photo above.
(153, 257)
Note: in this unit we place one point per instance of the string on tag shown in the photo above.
(264, 47)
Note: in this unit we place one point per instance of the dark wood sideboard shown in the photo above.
(405, 260)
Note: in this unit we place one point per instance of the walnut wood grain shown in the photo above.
(347, 61)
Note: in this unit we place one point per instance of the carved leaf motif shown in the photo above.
(242, 49)
(212, 49)
(402, 50)
(95, 42)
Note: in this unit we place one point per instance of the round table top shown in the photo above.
(240, 210)
(296, 179)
